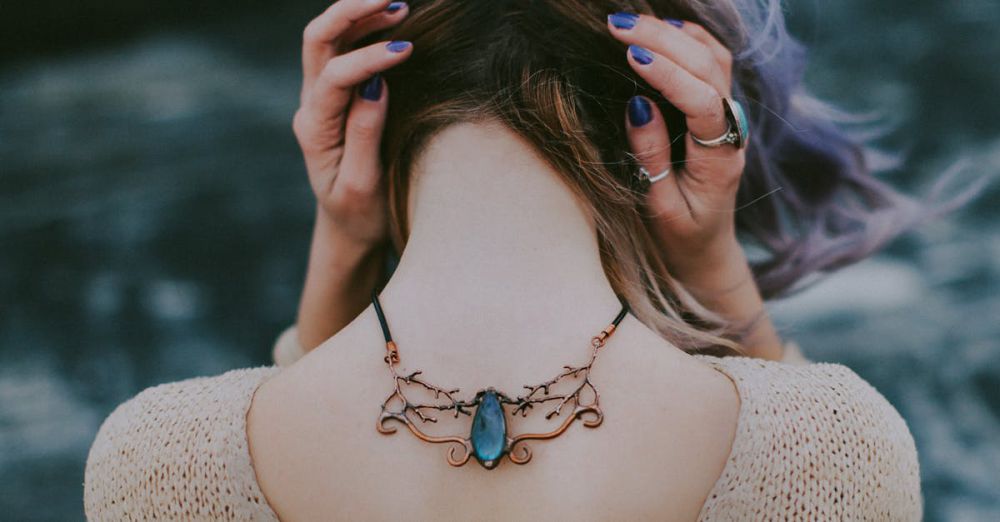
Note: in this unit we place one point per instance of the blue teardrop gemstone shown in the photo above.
(489, 428)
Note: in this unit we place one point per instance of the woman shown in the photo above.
(529, 247)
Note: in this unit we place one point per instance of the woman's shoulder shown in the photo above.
(178, 450)
(815, 440)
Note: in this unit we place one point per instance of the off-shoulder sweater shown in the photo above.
(814, 441)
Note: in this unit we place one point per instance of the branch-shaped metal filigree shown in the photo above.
(532, 397)
(400, 382)
(447, 401)
(452, 403)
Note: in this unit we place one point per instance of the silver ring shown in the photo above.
(737, 131)
(643, 173)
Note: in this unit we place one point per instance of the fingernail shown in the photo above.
(372, 88)
(639, 111)
(640, 54)
(398, 46)
(622, 20)
(395, 6)
(674, 22)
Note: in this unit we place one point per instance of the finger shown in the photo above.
(699, 101)
(722, 54)
(332, 91)
(319, 35)
(673, 42)
(649, 140)
(715, 167)
(647, 135)
(360, 169)
(392, 15)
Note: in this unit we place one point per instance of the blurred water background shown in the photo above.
(155, 218)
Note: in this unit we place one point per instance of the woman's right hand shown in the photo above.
(339, 127)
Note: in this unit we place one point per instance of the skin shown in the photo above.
(483, 296)
(692, 210)
(339, 133)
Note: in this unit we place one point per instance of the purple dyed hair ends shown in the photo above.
(808, 196)
(550, 71)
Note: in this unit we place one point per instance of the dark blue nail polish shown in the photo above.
(640, 54)
(398, 46)
(372, 88)
(674, 22)
(623, 20)
(639, 111)
(395, 6)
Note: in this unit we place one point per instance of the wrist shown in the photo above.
(340, 276)
(717, 268)
(341, 251)
(724, 283)
(720, 278)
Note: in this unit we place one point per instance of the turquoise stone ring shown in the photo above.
(738, 120)
(737, 134)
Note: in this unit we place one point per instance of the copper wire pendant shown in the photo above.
(488, 438)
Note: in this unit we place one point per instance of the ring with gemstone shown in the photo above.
(644, 174)
(738, 132)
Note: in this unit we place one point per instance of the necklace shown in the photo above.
(488, 440)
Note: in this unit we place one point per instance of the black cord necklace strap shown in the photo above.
(599, 339)
(391, 352)
(394, 353)
(621, 315)
(388, 336)
(381, 316)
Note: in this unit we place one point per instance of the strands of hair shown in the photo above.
(550, 71)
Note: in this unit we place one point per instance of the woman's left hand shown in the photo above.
(693, 208)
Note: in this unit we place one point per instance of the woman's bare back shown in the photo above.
(669, 423)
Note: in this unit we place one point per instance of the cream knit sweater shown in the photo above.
(814, 442)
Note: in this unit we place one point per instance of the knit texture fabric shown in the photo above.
(178, 451)
(813, 442)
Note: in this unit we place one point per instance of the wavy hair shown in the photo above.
(550, 71)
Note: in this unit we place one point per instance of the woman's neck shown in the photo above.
(501, 253)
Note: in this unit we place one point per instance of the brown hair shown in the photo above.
(550, 71)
